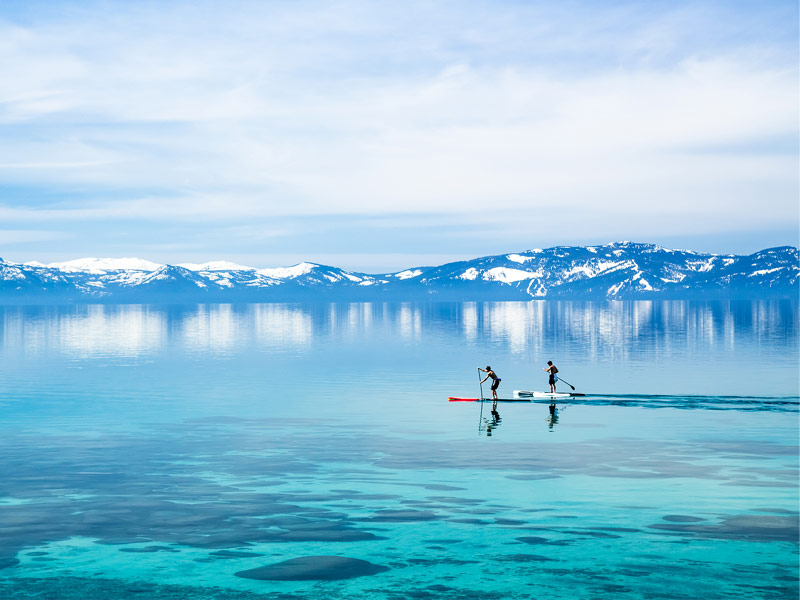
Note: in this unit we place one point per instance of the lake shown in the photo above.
(309, 451)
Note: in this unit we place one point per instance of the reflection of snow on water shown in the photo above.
(277, 324)
(211, 327)
(409, 320)
(470, 321)
(611, 330)
(512, 322)
(109, 330)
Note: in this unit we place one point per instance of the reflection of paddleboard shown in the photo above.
(523, 394)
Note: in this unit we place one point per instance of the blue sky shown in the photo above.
(378, 136)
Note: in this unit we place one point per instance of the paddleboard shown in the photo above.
(454, 399)
(523, 394)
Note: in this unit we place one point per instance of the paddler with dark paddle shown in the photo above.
(551, 369)
(495, 380)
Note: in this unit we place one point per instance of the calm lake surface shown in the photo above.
(157, 451)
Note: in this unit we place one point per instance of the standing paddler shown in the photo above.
(551, 369)
(495, 380)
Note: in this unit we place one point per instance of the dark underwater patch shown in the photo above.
(524, 558)
(8, 562)
(122, 541)
(751, 528)
(470, 521)
(540, 541)
(478, 511)
(228, 539)
(504, 521)
(440, 487)
(149, 549)
(590, 533)
(614, 588)
(761, 483)
(234, 554)
(402, 516)
(313, 568)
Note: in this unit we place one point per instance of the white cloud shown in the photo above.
(316, 108)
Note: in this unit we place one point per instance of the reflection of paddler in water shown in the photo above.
(551, 368)
(494, 423)
(553, 418)
(495, 380)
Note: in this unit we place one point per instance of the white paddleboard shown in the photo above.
(524, 394)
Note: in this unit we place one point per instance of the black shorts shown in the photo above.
(495, 384)
(552, 379)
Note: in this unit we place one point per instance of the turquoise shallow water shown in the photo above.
(156, 452)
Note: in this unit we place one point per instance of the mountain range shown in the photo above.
(616, 271)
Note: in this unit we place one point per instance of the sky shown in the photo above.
(377, 136)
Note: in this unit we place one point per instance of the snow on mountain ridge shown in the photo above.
(596, 267)
(518, 258)
(297, 270)
(470, 274)
(101, 265)
(216, 265)
(506, 275)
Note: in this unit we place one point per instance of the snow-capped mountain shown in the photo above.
(617, 271)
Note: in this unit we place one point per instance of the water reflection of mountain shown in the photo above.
(622, 326)
(610, 329)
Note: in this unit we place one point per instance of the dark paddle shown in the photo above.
(569, 384)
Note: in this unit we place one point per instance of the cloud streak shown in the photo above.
(312, 108)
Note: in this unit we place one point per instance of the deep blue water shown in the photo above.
(157, 451)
